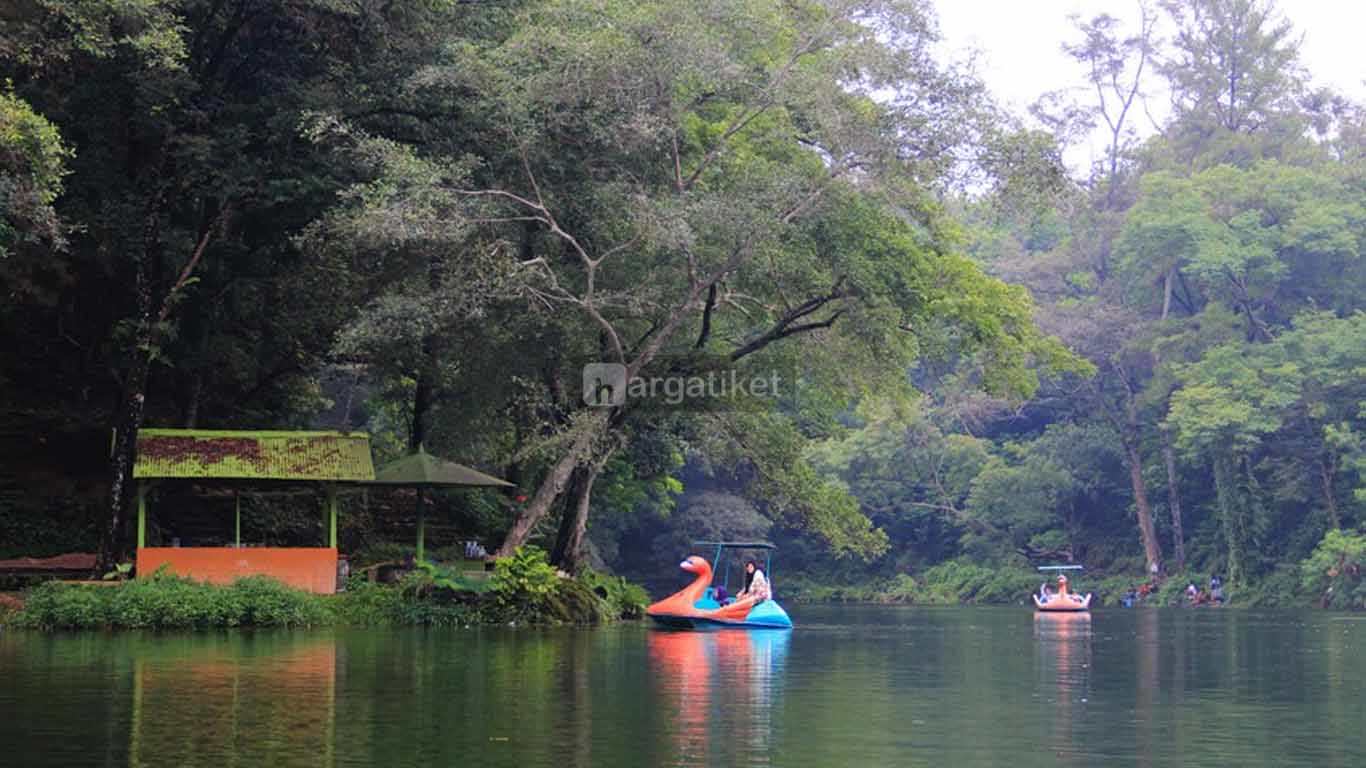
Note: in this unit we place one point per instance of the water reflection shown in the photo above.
(1062, 642)
(855, 686)
(211, 704)
(718, 691)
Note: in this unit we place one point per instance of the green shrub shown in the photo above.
(961, 582)
(624, 599)
(265, 602)
(367, 604)
(1279, 589)
(53, 605)
(525, 579)
(1333, 572)
(573, 602)
(427, 578)
(171, 602)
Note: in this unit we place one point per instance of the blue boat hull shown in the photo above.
(765, 615)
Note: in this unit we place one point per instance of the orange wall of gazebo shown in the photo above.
(312, 569)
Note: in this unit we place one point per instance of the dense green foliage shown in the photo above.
(423, 219)
(527, 591)
(1334, 571)
(170, 602)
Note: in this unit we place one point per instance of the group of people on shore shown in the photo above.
(1213, 596)
(1194, 595)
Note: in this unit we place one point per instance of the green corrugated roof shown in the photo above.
(423, 469)
(253, 455)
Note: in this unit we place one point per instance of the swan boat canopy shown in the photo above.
(1062, 600)
(705, 605)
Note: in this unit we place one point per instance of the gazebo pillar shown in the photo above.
(332, 516)
(142, 515)
(421, 524)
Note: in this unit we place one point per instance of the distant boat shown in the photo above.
(1063, 600)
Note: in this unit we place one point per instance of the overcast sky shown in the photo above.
(1020, 58)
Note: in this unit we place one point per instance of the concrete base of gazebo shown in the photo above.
(312, 569)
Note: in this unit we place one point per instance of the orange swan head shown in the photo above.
(682, 601)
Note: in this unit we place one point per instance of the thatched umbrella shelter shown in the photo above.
(422, 471)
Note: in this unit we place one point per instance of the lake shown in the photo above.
(852, 685)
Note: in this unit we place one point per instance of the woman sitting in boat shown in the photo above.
(756, 584)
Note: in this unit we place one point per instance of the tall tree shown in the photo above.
(1235, 64)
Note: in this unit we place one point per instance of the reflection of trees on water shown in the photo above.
(1063, 644)
(717, 691)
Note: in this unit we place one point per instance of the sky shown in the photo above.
(1019, 55)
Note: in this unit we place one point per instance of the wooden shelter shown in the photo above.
(331, 459)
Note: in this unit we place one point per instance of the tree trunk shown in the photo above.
(193, 397)
(1233, 514)
(1174, 502)
(1168, 281)
(422, 403)
(1152, 552)
(134, 397)
(553, 484)
(1326, 472)
(568, 553)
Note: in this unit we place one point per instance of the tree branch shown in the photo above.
(705, 333)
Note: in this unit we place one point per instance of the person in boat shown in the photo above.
(1044, 594)
(756, 584)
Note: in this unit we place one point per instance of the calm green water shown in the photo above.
(851, 686)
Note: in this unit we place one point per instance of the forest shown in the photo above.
(422, 219)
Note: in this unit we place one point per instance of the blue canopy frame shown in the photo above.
(722, 546)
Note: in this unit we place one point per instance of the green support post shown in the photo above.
(237, 519)
(142, 515)
(421, 525)
(332, 516)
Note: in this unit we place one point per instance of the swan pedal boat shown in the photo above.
(1063, 601)
(695, 606)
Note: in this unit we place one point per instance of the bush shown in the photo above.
(1280, 589)
(53, 605)
(960, 582)
(172, 602)
(526, 579)
(265, 602)
(1333, 572)
(10, 607)
(624, 599)
(428, 578)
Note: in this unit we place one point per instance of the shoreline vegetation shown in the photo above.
(1330, 578)
(526, 590)
(523, 589)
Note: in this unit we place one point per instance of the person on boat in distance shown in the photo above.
(756, 584)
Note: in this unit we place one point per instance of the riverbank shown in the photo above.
(524, 589)
(1331, 577)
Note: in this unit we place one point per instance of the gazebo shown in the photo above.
(423, 471)
(330, 459)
